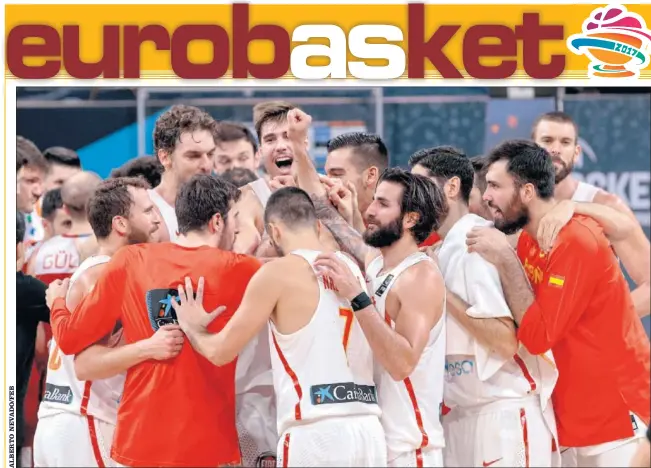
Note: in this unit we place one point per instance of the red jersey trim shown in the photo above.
(419, 418)
(292, 375)
(525, 372)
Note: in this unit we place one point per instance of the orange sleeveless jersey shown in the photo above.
(179, 412)
(583, 312)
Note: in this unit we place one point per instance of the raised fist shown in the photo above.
(299, 123)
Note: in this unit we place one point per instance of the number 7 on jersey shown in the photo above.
(348, 317)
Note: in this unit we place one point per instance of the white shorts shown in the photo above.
(72, 440)
(343, 441)
(611, 454)
(256, 427)
(418, 458)
(512, 434)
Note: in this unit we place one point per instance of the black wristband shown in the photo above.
(361, 301)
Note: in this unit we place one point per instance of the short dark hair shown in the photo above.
(369, 149)
(555, 116)
(479, 166)
(233, 131)
(201, 198)
(29, 154)
(239, 176)
(292, 206)
(147, 167)
(62, 156)
(111, 199)
(20, 227)
(51, 202)
(77, 191)
(270, 111)
(446, 162)
(528, 163)
(176, 121)
(419, 195)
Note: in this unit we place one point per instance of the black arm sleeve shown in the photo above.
(30, 300)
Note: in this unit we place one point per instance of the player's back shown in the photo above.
(56, 258)
(323, 365)
(603, 359)
(188, 394)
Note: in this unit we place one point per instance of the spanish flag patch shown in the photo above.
(555, 280)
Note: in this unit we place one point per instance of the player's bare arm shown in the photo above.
(257, 306)
(418, 309)
(495, 248)
(251, 228)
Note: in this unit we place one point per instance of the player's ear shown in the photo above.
(165, 158)
(371, 177)
(527, 193)
(577, 152)
(452, 187)
(410, 219)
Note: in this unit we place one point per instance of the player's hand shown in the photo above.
(299, 124)
(279, 182)
(166, 343)
(551, 224)
(190, 312)
(330, 266)
(56, 289)
(432, 251)
(490, 243)
(342, 199)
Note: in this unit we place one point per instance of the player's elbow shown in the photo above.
(220, 358)
(403, 369)
(507, 347)
(84, 371)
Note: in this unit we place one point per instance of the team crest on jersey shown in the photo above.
(159, 307)
(266, 460)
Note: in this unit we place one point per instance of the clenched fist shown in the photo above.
(299, 124)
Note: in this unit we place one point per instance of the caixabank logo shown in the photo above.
(615, 40)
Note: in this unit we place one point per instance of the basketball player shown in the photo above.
(490, 381)
(188, 398)
(559, 134)
(56, 221)
(323, 367)
(78, 413)
(236, 148)
(147, 167)
(476, 204)
(184, 143)
(582, 310)
(29, 187)
(63, 163)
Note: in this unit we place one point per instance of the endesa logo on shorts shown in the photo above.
(159, 307)
(345, 392)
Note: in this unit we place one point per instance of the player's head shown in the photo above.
(239, 176)
(20, 235)
(559, 135)
(404, 205)
(519, 173)
(236, 148)
(56, 220)
(76, 192)
(184, 142)
(477, 204)
(206, 205)
(63, 163)
(359, 158)
(30, 176)
(276, 154)
(147, 167)
(121, 209)
(449, 169)
(289, 214)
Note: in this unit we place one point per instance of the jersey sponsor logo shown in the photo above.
(457, 368)
(345, 392)
(266, 460)
(383, 287)
(159, 307)
(58, 394)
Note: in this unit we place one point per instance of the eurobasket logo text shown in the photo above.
(378, 51)
(615, 40)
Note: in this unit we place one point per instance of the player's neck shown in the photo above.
(457, 210)
(110, 245)
(79, 228)
(196, 239)
(566, 188)
(167, 188)
(396, 253)
(537, 211)
(301, 240)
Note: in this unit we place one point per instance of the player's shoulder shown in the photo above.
(582, 233)
(424, 272)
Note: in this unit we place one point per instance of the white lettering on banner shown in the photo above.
(337, 52)
(631, 186)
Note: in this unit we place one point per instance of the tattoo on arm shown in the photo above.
(346, 236)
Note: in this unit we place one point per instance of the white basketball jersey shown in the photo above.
(411, 408)
(65, 393)
(167, 213)
(261, 190)
(585, 193)
(57, 258)
(325, 369)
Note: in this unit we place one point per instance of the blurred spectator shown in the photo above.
(236, 147)
(62, 163)
(56, 220)
(147, 167)
(239, 176)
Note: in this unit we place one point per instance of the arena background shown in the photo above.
(108, 126)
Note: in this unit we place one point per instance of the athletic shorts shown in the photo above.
(418, 458)
(342, 441)
(72, 440)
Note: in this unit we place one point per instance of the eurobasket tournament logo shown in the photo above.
(615, 40)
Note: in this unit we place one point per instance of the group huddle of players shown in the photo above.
(467, 312)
